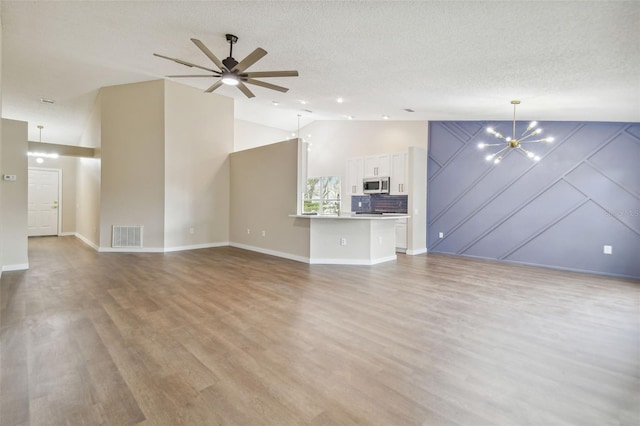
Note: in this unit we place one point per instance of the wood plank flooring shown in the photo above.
(230, 337)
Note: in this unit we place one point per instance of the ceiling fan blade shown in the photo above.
(253, 57)
(192, 75)
(267, 85)
(207, 52)
(181, 62)
(259, 74)
(214, 87)
(244, 89)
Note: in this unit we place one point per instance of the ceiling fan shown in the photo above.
(232, 72)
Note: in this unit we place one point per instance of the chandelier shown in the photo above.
(508, 143)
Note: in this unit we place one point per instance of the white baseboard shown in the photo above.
(145, 250)
(86, 241)
(67, 234)
(417, 251)
(195, 247)
(352, 261)
(130, 250)
(315, 261)
(17, 267)
(271, 252)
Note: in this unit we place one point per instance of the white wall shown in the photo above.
(197, 144)
(132, 151)
(14, 195)
(251, 135)
(333, 142)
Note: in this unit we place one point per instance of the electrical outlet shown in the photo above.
(343, 241)
(248, 231)
(607, 250)
(192, 230)
(359, 203)
(440, 234)
(264, 233)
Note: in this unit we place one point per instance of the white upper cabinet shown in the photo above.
(377, 165)
(355, 174)
(398, 175)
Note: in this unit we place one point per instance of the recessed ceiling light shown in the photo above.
(350, 117)
(385, 117)
(340, 100)
(275, 103)
(303, 102)
(47, 101)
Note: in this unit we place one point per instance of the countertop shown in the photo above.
(353, 216)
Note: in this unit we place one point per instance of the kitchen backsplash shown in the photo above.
(379, 203)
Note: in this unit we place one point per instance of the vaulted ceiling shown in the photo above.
(444, 60)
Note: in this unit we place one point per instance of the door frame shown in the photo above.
(48, 169)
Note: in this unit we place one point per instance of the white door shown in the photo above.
(43, 202)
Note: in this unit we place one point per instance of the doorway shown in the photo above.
(45, 202)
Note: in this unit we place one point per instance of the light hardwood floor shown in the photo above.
(226, 336)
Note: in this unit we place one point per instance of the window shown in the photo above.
(322, 195)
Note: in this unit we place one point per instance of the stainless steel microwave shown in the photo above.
(377, 185)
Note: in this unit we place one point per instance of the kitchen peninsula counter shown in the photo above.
(352, 239)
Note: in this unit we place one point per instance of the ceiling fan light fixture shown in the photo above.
(230, 79)
(231, 72)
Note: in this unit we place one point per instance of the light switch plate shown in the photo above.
(607, 250)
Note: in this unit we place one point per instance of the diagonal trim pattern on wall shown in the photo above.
(517, 210)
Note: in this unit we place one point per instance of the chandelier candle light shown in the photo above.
(513, 143)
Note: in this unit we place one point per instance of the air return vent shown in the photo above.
(127, 236)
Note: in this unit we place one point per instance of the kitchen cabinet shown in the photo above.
(377, 165)
(401, 235)
(398, 175)
(355, 174)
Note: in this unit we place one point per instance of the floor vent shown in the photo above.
(127, 236)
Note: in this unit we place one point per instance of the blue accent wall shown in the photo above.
(559, 212)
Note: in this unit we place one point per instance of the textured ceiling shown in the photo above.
(445, 60)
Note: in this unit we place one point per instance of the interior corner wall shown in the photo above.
(88, 200)
(199, 132)
(132, 152)
(88, 180)
(14, 195)
(264, 186)
(247, 135)
(559, 212)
